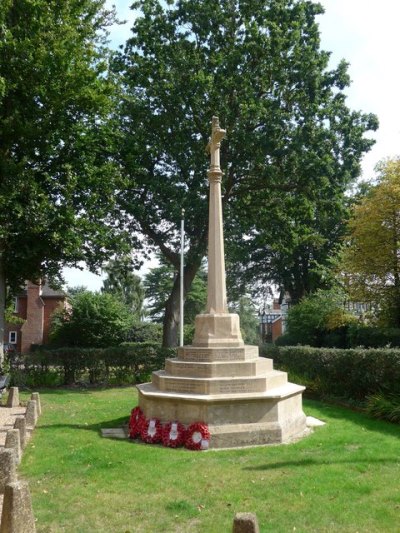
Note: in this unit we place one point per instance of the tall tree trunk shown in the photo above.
(2, 307)
(171, 316)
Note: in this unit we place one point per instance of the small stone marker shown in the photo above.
(31, 414)
(20, 424)
(244, 523)
(17, 515)
(36, 397)
(8, 468)
(13, 441)
(13, 397)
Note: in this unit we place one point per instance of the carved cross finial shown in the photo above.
(217, 134)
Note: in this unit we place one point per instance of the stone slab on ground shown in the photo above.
(312, 422)
(114, 433)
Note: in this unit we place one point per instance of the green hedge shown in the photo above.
(349, 336)
(127, 364)
(352, 374)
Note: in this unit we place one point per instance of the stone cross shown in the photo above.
(216, 290)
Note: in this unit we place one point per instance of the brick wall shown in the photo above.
(32, 329)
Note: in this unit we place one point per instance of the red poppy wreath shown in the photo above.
(173, 434)
(135, 422)
(151, 431)
(197, 436)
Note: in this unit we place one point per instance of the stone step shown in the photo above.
(208, 355)
(254, 367)
(231, 385)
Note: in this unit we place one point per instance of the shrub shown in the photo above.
(95, 320)
(145, 332)
(119, 365)
(383, 406)
(353, 374)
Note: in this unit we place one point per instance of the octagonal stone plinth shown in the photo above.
(219, 329)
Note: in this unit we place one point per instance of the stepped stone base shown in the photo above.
(243, 400)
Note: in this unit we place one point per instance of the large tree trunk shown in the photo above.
(2, 308)
(171, 316)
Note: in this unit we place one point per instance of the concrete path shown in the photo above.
(7, 419)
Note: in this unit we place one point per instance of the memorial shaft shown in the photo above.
(216, 291)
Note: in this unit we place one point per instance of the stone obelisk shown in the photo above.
(218, 380)
(217, 327)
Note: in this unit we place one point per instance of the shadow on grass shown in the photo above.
(322, 462)
(115, 423)
(78, 390)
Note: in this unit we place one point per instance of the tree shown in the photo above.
(123, 283)
(94, 320)
(291, 136)
(249, 323)
(371, 258)
(309, 321)
(158, 285)
(57, 178)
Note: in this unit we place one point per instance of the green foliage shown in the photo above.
(371, 257)
(123, 283)
(386, 407)
(249, 323)
(158, 284)
(127, 364)
(57, 173)
(94, 320)
(352, 374)
(145, 332)
(293, 146)
(57, 179)
(309, 321)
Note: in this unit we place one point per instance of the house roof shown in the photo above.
(47, 292)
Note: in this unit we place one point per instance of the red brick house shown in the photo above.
(273, 320)
(35, 305)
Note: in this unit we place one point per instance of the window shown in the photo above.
(12, 337)
(15, 305)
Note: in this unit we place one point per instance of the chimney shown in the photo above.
(32, 329)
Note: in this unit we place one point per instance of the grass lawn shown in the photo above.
(344, 477)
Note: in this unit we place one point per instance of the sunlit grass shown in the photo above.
(343, 477)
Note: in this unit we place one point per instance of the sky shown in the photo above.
(364, 33)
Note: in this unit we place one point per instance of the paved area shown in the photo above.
(7, 419)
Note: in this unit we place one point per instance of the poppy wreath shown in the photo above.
(197, 436)
(173, 434)
(151, 431)
(135, 422)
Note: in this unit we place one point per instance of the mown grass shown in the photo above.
(343, 477)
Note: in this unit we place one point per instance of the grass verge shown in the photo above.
(343, 477)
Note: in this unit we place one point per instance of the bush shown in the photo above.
(352, 374)
(372, 337)
(120, 365)
(145, 332)
(95, 320)
(384, 407)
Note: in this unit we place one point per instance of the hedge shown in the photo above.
(353, 374)
(127, 364)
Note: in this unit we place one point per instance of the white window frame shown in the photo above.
(16, 304)
(12, 337)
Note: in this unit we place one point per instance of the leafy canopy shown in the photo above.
(371, 258)
(56, 176)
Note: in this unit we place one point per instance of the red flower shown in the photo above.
(197, 436)
(173, 434)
